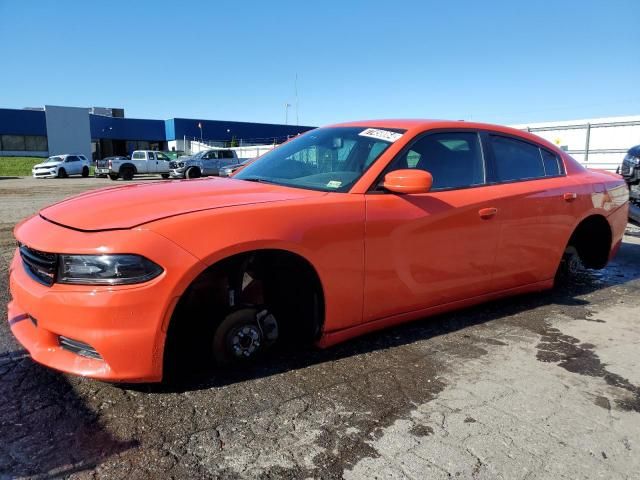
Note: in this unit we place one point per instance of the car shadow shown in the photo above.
(625, 268)
(47, 431)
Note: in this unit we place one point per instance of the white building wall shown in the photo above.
(68, 130)
(594, 142)
(193, 146)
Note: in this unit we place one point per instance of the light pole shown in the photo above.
(286, 113)
(200, 127)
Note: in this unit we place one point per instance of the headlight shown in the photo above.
(106, 269)
(181, 164)
(633, 160)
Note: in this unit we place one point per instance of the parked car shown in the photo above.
(341, 231)
(231, 169)
(141, 162)
(105, 162)
(61, 166)
(203, 164)
(630, 171)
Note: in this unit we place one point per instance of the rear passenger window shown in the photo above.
(516, 160)
(454, 159)
(551, 163)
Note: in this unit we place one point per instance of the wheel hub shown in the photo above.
(246, 341)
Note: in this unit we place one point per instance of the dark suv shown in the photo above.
(630, 171)
(630, 168)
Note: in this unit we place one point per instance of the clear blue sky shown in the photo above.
(498, 61)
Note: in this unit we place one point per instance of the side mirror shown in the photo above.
(408, 181)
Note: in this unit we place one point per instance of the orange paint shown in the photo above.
(382, 258)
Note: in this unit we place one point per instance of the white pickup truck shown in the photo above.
(141, 162)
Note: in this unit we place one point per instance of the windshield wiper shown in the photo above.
(254, 179)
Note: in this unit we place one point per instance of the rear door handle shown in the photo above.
(487, 212)
(570, 196)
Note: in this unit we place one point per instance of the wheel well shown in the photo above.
(286, 283)
(128, 165)
(592, 239)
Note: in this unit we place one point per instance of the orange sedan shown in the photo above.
(341, 231)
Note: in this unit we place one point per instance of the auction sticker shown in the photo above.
(385, 135)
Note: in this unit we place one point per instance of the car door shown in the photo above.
(537, 210)
(423, 250)
(139, 159)
(72, 162)
(162, 163)
(209, 163)
(152, 162)
(226, 159)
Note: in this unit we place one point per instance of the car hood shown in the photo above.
(128, 206)
(47, 164)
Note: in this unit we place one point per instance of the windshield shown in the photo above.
(53, 159)
(200, 154)
(328, 159)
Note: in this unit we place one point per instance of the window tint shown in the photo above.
(72, 158)
(454, 159)
(551, 163)
(152, 156)
(138, 156)
(374, 152)
(227, 154)
(13, 142)
(516, 160)
(36, 143)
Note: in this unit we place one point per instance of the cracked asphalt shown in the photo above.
(537, 386)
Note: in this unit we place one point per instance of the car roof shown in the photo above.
(634, 150)
(417, 125)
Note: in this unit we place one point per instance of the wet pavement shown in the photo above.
(538, 386)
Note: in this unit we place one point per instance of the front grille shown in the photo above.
(78, 347)
(40, 265)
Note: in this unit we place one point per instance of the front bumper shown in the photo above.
(44, 173)
(630, 171)
(126, 325)
(177, 172)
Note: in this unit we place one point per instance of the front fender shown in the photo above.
(327, 231)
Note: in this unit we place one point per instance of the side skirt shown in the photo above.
(331, 338)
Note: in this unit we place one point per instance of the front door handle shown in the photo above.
(570, 196)
(487, 213)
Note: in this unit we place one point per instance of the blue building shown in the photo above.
(102, 132)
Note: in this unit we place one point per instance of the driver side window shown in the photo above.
(454, 159)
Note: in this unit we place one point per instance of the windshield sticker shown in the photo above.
(385, 135)
(334, 184)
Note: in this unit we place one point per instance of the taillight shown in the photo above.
(109, 163)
